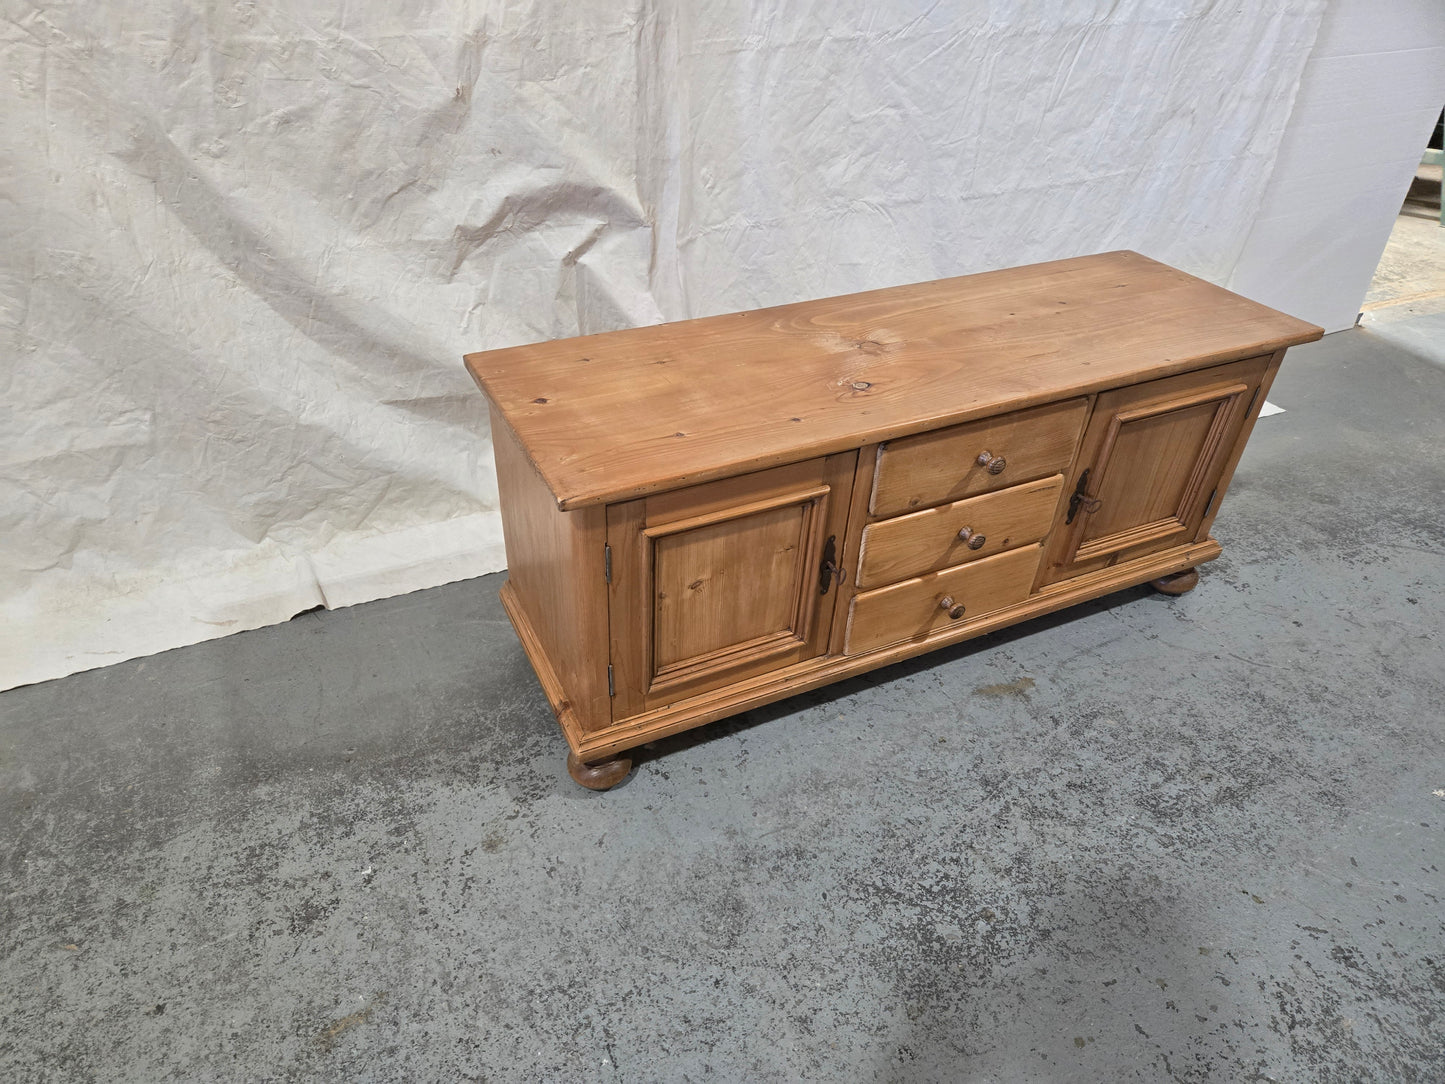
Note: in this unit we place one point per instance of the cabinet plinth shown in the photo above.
(707, 516)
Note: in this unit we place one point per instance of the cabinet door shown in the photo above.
(721, 582)
(1150, 466)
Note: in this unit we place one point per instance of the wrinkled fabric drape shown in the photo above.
(246, 243)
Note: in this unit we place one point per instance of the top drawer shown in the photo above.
(977, 457)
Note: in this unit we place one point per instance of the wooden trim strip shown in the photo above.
(754, 650)
(1169, 406)
(850, 546)
(1137, 536)
(736, 511)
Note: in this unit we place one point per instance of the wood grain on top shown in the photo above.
(617, 415)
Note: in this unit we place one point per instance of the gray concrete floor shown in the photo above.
(1149, 839)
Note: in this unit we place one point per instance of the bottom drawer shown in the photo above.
(914, 610)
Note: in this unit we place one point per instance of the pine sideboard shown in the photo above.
(706, 516)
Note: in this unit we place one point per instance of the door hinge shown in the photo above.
(1210, 503)
(607, 561)
(1250, 409)
(611, 685)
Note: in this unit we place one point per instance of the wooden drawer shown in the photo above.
(894, 549)
(912, 610)
(932, 468)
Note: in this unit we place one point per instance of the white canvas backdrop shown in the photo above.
(245, 244)
(1368, 98)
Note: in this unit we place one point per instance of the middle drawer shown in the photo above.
(895, 549)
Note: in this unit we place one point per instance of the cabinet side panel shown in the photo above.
(555, 566)
(1233, 461)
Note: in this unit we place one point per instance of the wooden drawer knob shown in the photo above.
(955, 610)
(994, 464)
(975, 541)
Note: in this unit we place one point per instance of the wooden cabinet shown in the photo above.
(708, 516)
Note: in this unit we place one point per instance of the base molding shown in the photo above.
(546, 676)
(600, 743)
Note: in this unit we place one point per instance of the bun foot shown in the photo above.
(1177, 583)
(600, 774)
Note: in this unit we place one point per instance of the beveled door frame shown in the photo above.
(821, 487)
(814, 503)
(1228, 397)
(1235, 385)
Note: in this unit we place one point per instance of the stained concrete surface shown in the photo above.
(1148, 839)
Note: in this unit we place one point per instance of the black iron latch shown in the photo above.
(830, 567)
(1081, 499)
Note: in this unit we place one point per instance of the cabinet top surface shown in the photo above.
(624, 413)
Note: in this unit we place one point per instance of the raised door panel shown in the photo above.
(1151, 463)
(733, 585)
(1156, 452)
(721, 582)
